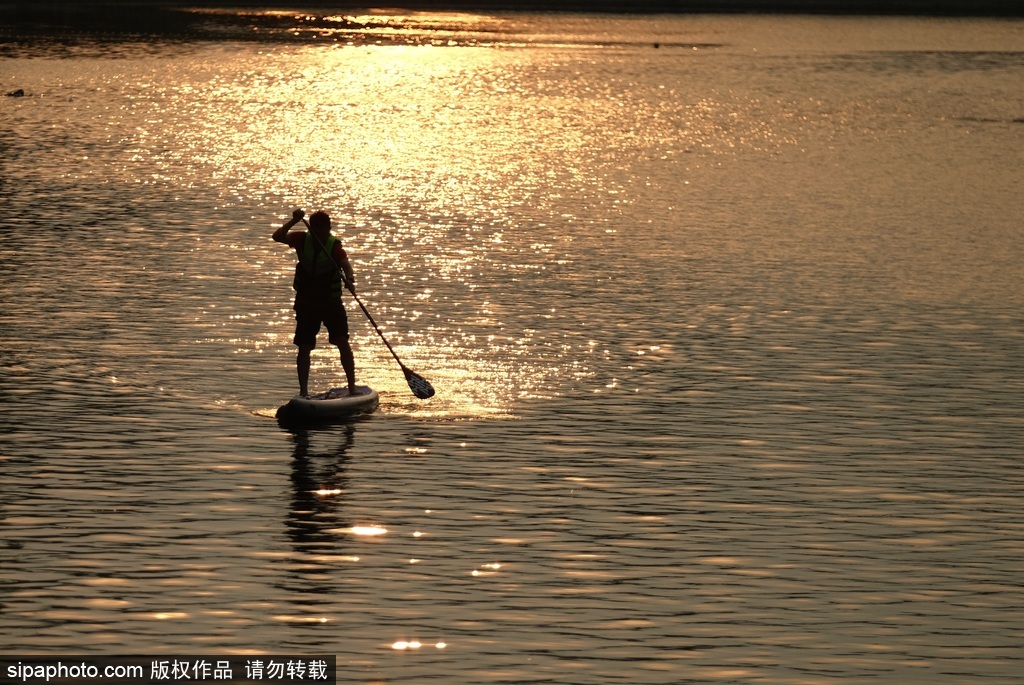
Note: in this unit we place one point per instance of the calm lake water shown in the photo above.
(727, 336)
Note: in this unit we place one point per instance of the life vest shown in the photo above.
(316, 275)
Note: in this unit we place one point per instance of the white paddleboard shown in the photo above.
(334, 404)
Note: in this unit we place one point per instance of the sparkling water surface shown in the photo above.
(726, 334)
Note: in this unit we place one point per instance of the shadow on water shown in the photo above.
(315, 515)
(319, 484)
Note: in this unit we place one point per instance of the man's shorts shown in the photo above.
(308, 318)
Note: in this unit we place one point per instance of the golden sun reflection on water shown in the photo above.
(402, 645)
(367, 531)
(344, 127)
(424, 182)
(328, 492)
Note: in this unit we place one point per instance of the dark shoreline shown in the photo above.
(22, 21)
(13, 9)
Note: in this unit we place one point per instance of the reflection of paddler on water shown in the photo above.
(318, 284)
(318, 488)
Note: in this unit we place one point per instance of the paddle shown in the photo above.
(419, 385)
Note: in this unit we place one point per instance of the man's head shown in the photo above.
(320, 222)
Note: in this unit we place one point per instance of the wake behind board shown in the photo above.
(336, 403)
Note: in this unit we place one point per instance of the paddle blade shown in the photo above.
(419, 385)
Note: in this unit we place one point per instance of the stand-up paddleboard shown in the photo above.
(336, 403)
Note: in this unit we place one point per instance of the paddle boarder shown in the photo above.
(318, 286)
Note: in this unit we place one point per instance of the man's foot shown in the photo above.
(353, 391)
